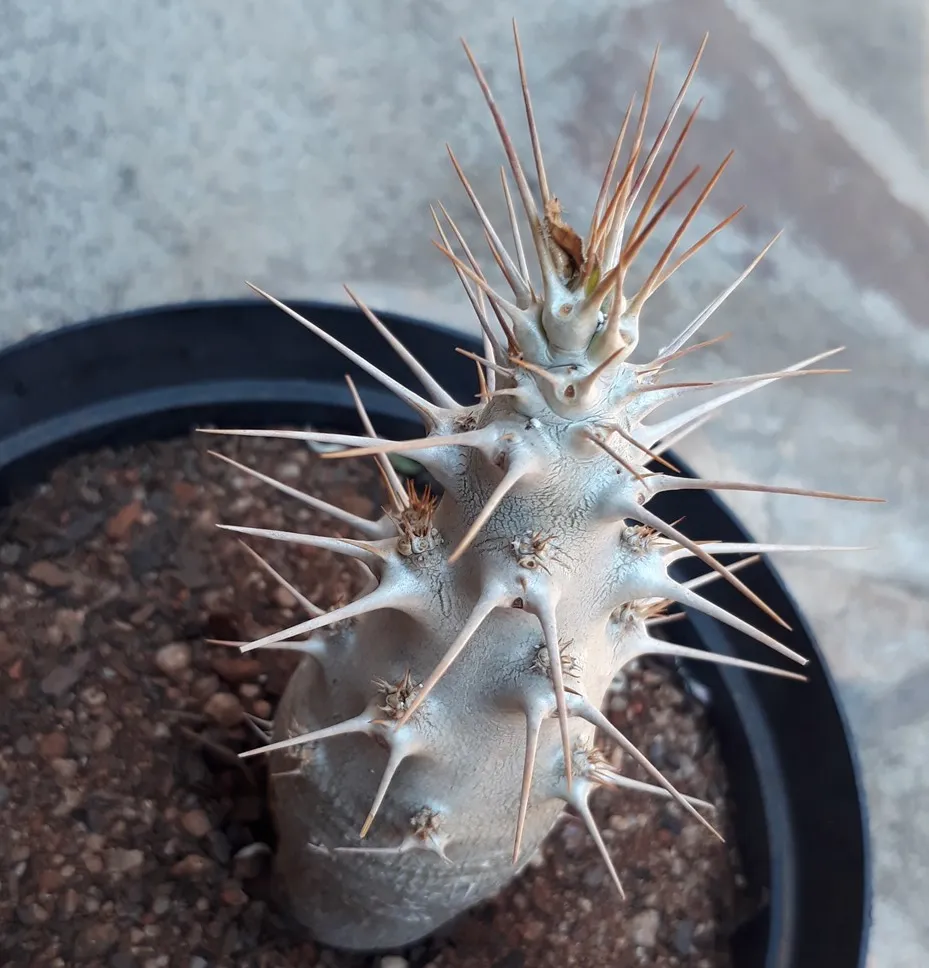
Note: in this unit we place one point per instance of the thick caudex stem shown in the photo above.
(438, 725)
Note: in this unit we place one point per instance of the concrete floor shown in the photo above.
(153, 152)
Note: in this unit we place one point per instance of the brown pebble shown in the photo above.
(161, 905)
(69, 902)
(233, 895)
(53, 746)
(70, 624)
(141, 615)
(262, 708)
(65, 677)
(49, 881)
(282, 597)
(93, 863)
(65, 769)
(122, 861)
(95, 941)
(103, 739)
(25, 745)
(205, 686)
(192, 866)
(49, 574)
(533, 930)
(119, 526)
(173, 659)
(30, 914)
(225, 709)
(184, 492)
(196, 823)
(235, 670)
(7, 649)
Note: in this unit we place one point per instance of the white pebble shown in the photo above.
(173, 659)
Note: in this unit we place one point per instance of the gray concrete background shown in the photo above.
(153, 152)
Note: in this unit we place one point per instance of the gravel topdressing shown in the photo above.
(132, 836)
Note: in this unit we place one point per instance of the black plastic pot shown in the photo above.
(799, 807)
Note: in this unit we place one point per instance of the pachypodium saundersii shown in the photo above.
(438, 725)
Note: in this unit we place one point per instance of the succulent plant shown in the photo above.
(437, 726)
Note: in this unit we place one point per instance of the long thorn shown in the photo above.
(505, 485)
(626, 466)
(314, 610)
(371, 602)
(636, 242)
(597, 215)
(490, 599)
(620, 213)
(649, 286)
(388, 472)
(741, 548)
(306, 646)
(714, 576)
(530, 119)
(666, 127)
(666, 351)
(468, 438)
(477, 301)
(660, 364)
(427, 409)
(308, 435)
(522, 185)
(668, 442)
(368, 553)
(546, 615)
(663, 429)
(588, 711)
(689, 599)
(514, 228)
(667, 483)
(617, 273)
(483, 359)
(683, 652)
(581, 805)
(645, 450)
(397, 755)
(534, 719)
(609, 777)
(653, 521)
(664, 173)
(438, 394)
(539, 371)
(504, 325)
(357, 724)
(369, 528)
(511, 273)
(479, 281)
(697, 246)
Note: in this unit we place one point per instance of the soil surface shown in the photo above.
(132, 836)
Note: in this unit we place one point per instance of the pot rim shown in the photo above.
(151, 371)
